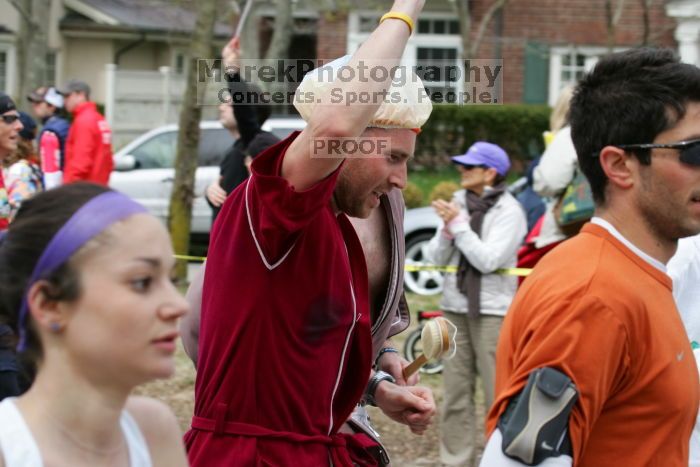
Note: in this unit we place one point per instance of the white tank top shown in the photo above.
(19, 449)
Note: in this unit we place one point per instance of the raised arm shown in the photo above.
(245, 114)
(384, 47)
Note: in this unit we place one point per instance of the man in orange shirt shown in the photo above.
(593, 364)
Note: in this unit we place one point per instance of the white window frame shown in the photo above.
(8, 48)
(556, 54)
(355, 38)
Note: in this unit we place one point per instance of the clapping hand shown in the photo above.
(446, 211)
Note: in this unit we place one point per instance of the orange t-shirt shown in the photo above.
(604, 316)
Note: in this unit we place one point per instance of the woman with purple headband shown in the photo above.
(85, 285)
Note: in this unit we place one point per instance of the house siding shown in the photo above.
(545, 23)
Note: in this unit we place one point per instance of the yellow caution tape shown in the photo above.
(521, 272)
(201, 259)
(428, 267)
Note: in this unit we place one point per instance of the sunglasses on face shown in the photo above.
(471, 167)
(689, 150)
(9, 119)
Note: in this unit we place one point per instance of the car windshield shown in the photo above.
(159, 151)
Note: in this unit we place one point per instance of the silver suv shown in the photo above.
(144, 168)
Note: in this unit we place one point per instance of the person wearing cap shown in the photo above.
(482, 229)
(10, 126)
(89, 145)
(23, 177)
(46, 105)
(285, 346)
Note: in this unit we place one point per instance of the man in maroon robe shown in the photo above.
(284, 345)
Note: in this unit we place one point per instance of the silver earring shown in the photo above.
(55, 327)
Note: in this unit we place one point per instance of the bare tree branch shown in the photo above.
(470, 47)
(612, 18)
(618, 11)
(22, 11)
(646, 23)
(483, 24)
(465, 26)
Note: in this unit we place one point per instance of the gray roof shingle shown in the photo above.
(153, 15)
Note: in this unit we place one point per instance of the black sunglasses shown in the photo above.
(9, 119)
(689, 150)
(470, 166)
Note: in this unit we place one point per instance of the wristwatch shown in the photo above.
(374, 381)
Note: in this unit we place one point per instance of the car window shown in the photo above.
(213, 145)
(283, 132)
(156, 153)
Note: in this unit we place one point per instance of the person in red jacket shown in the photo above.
(89, 145)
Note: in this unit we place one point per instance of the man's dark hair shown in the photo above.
(37, 221)
(629, 98)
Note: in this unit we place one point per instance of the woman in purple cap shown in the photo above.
(482, 230)
(85, 283)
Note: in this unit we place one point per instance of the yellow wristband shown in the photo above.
(402, 16)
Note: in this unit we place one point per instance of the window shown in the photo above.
(213, 145)
(157, 153)
(3, 71)
(7, 67)
(179, 62)
(436, 43)
(367, 24)
(437, 58)
(438, 26)
(573, 67)
(50, 78)
(567, 65)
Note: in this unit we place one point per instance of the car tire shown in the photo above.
(421, 282)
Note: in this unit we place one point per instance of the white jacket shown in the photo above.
(551, 176)
(502, 233)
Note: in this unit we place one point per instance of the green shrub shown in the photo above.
(451, 129)
(412, 195)
(444, 190)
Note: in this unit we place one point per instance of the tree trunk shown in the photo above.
(646, 24)
(32, 45)
(465, 27)
(180, 214)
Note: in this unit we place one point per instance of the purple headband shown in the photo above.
(89, 221)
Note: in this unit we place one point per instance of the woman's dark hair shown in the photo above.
(629, 98)
(37, 221)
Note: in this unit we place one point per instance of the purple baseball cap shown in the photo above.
(483, 153)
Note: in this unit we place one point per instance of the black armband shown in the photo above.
(535, 423)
